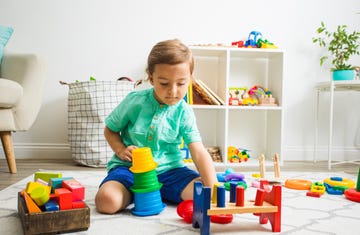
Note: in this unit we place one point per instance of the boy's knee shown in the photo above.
(106, 203)
(109, 200)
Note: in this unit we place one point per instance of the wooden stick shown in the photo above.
(262, 166)
(277, 165)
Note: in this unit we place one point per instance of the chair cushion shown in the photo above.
(5, 34)
(10, 93)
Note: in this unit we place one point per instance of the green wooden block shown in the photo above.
(46, 176)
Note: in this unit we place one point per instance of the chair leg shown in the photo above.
(7, 143)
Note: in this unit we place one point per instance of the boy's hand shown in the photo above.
(126, 154)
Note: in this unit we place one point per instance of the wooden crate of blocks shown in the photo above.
(53, 204)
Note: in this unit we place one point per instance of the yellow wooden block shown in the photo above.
(32, 185)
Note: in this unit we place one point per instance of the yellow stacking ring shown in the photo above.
(339, 181)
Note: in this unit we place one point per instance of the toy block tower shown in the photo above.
(146, 188)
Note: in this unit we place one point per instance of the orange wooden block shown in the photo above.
(30, 204)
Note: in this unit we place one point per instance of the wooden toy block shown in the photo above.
(32, 185)
(240, 196)
(46, 176)
(78, 204)
(77, 189)
(313, 194)
(221, 196)
(201, 206)
(214, 196)
(52, 205)
(57, 182)
(43, 182)
(270, 210)
(53, 222)
(233, 186)
(30, 204)
(64, 197)
(40, 196)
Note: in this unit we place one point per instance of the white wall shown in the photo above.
(108, 39)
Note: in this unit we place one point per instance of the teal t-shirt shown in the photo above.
(142, 121)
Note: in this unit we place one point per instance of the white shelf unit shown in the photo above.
(256, 128)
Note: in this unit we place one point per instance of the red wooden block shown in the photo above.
(77, 189)
(64, 197)
(313, 194)
(78, 204)
(240, 198)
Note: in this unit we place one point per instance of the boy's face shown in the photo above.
(170, 82)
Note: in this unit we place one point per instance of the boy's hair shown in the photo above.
(169, 52)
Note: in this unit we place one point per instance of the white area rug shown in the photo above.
(330, 214)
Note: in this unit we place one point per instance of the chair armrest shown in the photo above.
(29, 71)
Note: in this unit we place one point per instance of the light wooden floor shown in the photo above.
(28, 167)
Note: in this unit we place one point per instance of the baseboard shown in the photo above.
(40, 151)
(290, 153)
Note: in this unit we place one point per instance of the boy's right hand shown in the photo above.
(126, 154)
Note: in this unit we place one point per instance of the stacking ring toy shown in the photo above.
(221, 219)
(352, 195)
(339, 181)
(185, 210)
(298, 184)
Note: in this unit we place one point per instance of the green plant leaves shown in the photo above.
(340, 44)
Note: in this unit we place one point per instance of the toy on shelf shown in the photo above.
(253, 37)
(267, 205)
(215, 153)
(254, 40)
(238, 155)
(265, 44)
(235, 95)
(353, 194)
(238, 44)
(185, 149)
(263, 95)
(249, 99)
(256, 95)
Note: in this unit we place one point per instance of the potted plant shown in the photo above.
(341, 45)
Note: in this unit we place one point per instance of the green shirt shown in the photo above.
(142, 121)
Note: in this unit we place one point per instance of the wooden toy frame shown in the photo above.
(270, 209)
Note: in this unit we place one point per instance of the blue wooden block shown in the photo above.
(221, 196)
(202, 199)
(57, 182)
(52, 205)
(233, 186)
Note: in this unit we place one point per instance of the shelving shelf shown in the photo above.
(256, 128)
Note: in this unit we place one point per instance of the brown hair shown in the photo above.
(169, 52)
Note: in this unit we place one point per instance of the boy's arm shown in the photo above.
(203, 163)
(117, 145)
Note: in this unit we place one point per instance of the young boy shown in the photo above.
(157, 118)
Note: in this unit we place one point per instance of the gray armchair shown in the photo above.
(21, 90)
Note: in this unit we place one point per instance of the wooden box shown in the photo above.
(53, 222)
